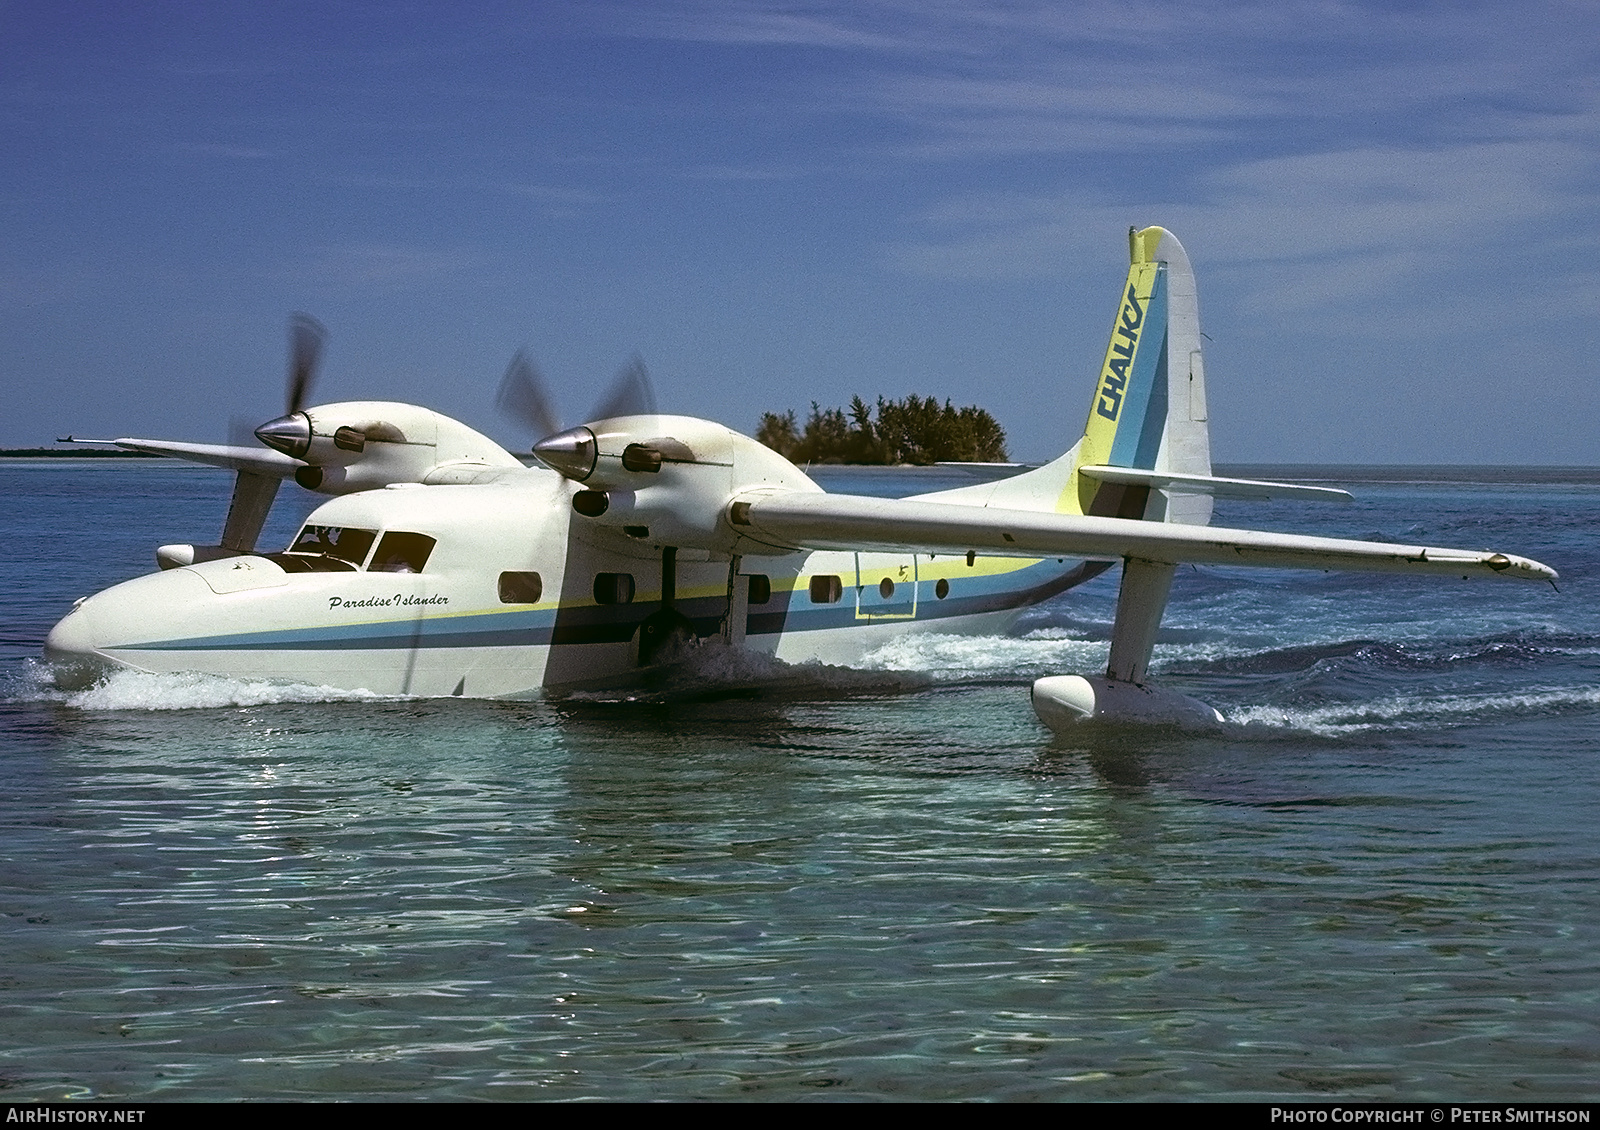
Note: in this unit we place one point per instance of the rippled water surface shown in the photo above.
(1381, 877)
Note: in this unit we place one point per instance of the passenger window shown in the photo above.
(344, 543)
(613, 588)
(760, 588)
(521, 588)
(401, 553)
(826, 589)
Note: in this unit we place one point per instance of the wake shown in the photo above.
(1405, 713)
(139, 690)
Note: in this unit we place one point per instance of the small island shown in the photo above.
(916, 430)
(74, 453)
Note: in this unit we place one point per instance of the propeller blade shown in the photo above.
(306, 336)
(525, 397)
(630, 395)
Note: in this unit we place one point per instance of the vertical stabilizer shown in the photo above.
(1149, 406)
(1148, 410)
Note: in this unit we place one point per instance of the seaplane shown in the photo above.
(443, 565)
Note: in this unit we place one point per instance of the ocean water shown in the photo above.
(1380, 879)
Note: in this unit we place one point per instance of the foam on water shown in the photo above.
(904, 664)
(1414, 712)
(956, 658)
(1040, 652)
(1514, 650)
(140, 690)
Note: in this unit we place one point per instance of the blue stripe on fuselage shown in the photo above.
(968, 596)
(786, 612)
(495, 629)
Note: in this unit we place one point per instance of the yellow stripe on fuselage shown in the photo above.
(930, 567)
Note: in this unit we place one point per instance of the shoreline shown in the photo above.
(74, 453)
(1293, 472)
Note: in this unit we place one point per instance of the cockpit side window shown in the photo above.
(401, 553)
(342, 542)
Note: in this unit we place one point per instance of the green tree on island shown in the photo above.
(914, 430)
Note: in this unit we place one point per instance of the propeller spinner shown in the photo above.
(572, 452)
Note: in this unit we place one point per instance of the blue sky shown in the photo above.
(1391, 209)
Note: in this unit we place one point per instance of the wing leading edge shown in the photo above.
(254, 460)
(853, 522)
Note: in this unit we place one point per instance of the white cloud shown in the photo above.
(987, 79)
(1395, 210)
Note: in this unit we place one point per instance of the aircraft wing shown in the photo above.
(255, 460)
(852, 522)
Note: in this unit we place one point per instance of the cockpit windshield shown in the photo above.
(342, 549)
(401, 553)
(343, 543)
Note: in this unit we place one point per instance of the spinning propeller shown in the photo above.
(525, 397)
(291, 432)
(306, 336)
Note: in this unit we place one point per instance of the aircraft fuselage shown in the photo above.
(503, 588)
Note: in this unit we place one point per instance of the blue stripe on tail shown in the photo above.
(1145, 399)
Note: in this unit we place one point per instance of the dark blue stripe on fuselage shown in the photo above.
(787, 611)
(968, 597)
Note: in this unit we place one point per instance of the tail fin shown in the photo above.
(1148, 415)
(1149, 407)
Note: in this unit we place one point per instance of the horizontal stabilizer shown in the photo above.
(854, 522)
(1209, 484)
(256, 460)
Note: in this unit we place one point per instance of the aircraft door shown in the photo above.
(886, 586)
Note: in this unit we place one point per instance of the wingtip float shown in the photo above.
(642, 534)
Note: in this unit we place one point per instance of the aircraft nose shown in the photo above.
(101, 628)
(73, 638)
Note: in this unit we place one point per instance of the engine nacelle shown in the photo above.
(362, 445)
(668, 479)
